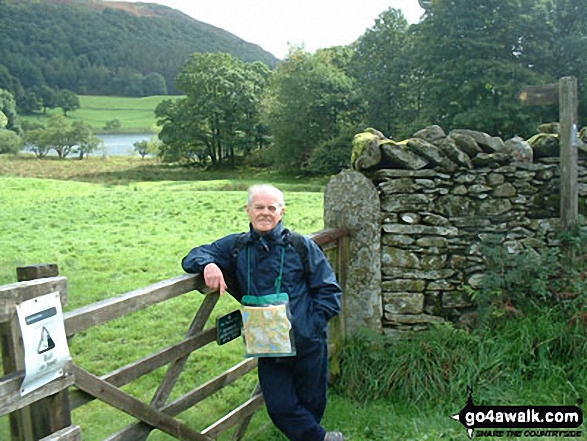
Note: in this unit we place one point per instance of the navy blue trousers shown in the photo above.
(294, 389)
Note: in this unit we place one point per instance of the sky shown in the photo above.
(276, 24)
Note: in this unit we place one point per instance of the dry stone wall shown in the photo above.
(440, 196)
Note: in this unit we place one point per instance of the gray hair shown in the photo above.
(268, 189)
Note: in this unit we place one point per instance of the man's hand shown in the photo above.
(214, 278)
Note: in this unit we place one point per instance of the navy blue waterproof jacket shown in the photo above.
(314, 297)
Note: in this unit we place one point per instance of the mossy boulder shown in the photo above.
(545, 145)
(366, 152)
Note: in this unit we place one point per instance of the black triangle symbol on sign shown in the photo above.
(46, 343)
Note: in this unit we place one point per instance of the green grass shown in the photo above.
(117, 224)
(110, 239)
(135, 114)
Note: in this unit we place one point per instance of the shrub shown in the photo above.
(332, 156)
(10, 142)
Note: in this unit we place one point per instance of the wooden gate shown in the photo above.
(46, 412)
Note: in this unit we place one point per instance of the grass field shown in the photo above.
(117, 224)
(110, 236)
(135, 114)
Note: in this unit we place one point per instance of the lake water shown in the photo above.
(121, 144)
(116, 144)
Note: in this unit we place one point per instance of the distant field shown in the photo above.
(136, 115)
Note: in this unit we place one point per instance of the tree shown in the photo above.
(83, 138)
(154, 84)
(184, 137)
(150, 147)
(48, 97)
(309, 100)
(36, 140)
(8, 108)
(67, 101)
(113, 124)
(569, 40)
(474, 61)
(30, 102)
(59, 136)
(221, 108)
(62, 136)
(10, 142)
(382, 65)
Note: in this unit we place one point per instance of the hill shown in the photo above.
(104, 48)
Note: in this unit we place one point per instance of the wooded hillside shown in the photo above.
(105, 48)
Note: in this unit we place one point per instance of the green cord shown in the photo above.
(277, 281)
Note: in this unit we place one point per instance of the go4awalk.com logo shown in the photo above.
(520, 421)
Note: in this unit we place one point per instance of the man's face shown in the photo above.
(265, 212)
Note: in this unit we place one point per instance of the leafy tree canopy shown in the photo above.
(220, 114)
(310, 99)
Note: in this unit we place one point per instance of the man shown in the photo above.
(294, 387)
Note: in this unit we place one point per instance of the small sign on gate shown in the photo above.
(44, 340)
(228, 327)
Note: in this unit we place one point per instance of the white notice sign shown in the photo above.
(44, 340)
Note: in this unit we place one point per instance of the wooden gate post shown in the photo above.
(50, 414)
(351, 201)
(568, 104)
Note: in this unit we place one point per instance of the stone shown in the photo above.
(390, 174)
(435, 220)
(505, 190)
(476, 281)
(375, 132)
(432, 241)
(440, 285)
(351, 200)
(455, 299)
(492, 160)
(398, 240)
(413, 319)
(466, 143)
(453, 206)
(494, 179)
(476, 188)
(431, 134)
(450, 149)
(489, 144)
(410, 218)
(398, 155)
(545, 145)
(399, 185)
(404, 303)
(416, 274)
(465, 178)
(424, 183)
(460, 190)
(553, 128)
(519, 150)
(420, 230)
(403, 285)
(431, 152)
(397, 257)
(366, 152)
(433, 261)
(404, 202)
(495, 207)
(544, 174)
